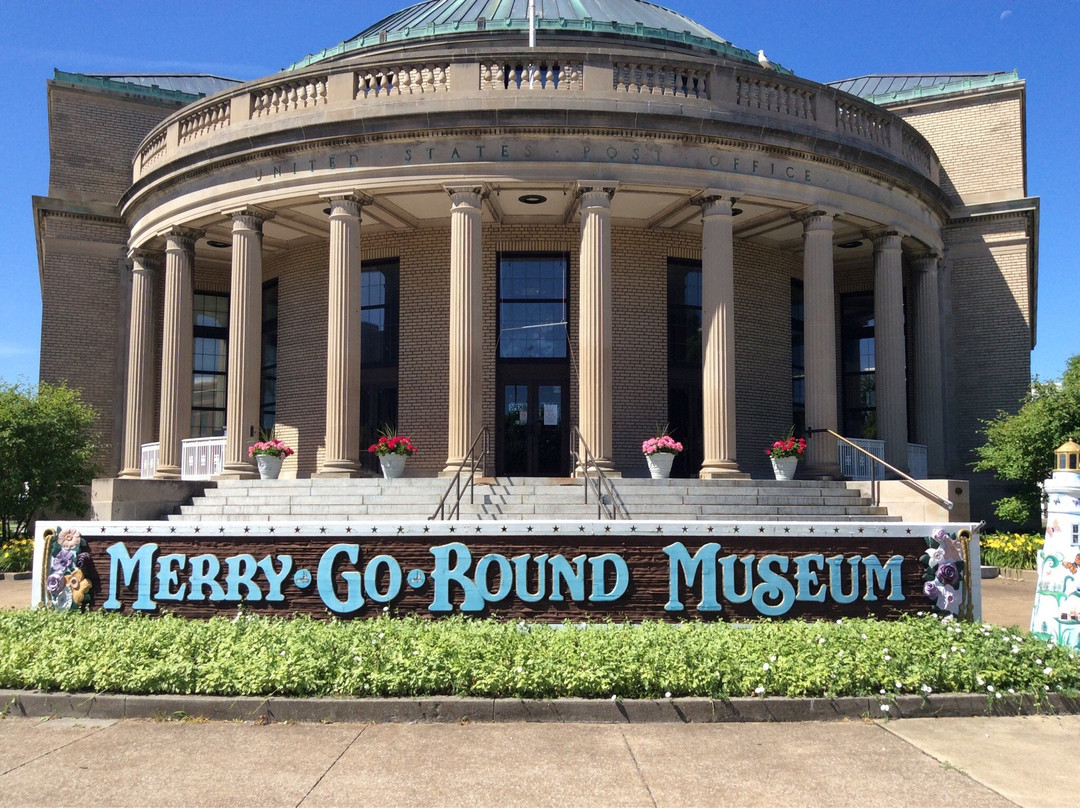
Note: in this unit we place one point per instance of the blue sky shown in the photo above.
(824, 40)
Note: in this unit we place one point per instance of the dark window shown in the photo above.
(685, 413)
(379, 304)
(268, 378)
(210, 365)
(684, 313)
(379, 315)
(858, 364)
(798, 359)
(532, 306)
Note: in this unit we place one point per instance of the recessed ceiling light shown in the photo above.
(849, 245)
(736, 211)
(326, 211)
(220, 245)
(532, 199)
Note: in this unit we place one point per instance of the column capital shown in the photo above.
(351, 202)
(471, 194)
(816, 217)
(179, 237)
(586, 187)
(926, 260)
(713, 203)
(885, 238)
(251, 216)
(143, 260)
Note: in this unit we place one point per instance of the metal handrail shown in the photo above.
(473, 462)
(601, 480)
(947, 504)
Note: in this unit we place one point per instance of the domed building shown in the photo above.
(603, 217)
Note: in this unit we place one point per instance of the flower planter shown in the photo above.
(269, 466)
(393, 465)
(660, 464)
(784, 467)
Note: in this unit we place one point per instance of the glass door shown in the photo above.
(533, 440)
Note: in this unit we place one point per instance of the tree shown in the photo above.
(1021, 447)
(46, 453)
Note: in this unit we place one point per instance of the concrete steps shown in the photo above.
(529, 499)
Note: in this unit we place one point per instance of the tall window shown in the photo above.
(798, 359)
(685, 413)
(268, 377)
(211, 364)
(858, 364)
(532, 307)
(378, 354)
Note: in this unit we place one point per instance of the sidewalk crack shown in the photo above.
(637, 767)
(348, 746)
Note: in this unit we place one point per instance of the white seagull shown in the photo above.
(763, 60)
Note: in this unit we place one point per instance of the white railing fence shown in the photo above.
(200, 458)
(856, 466)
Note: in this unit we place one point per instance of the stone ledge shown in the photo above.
(39, 704)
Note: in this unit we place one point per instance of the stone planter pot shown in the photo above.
(393, 465)
(784, 467)
(269, 466)
(660, 464)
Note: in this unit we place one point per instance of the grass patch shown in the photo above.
(391, 656)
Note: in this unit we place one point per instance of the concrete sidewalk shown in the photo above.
(944, 762)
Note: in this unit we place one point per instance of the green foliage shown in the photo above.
(1011, 550)
(16, 555)
(412, 657)
(46, 453)
(1021, 447)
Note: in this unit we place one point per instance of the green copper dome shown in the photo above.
(624, 19)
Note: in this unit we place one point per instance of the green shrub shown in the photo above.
(1011, 550)
(414, 657)
(17, 554)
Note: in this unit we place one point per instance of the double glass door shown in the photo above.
(533, 438)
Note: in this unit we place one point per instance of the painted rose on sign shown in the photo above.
(70, 577)
(944, 570)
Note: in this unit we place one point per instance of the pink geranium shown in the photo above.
(664, 444)
(273, 447)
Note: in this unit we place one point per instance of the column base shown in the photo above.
(238, 471)
(451, 470)
(604, 466)
(130, 474)
(167, 473)
(721, 470)
(338, 469)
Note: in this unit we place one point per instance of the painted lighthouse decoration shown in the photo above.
(1056, 614)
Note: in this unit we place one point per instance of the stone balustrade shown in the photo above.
(384, 82)
(205, 120)
(288, 96)
(772, 95)
(542, 75)
(654, 79)
(858, 118)
(743, 94)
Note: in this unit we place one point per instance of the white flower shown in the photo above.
(989, 688)
(926, 689)
(882, 691)
(667, 695)
(899, 685)
(821, 640)
(520, 670)
(765, 666)
(888, 658)
(772, 658)
(759, 690)
(1016, 649)
(884, 707)
(937, 555)
(980, 680)
(1012, 691)
(863, 636)
(997, 695)
(1048, 671)
(1038, 661)
(613, 697)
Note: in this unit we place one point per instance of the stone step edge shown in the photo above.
(39, 704)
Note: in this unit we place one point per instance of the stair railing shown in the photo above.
(583, 459)
(947, 504)
(473, 461)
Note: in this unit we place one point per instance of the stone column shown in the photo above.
(819, 329)
(138, 410)
(245, 340)
(718, 335)
(343, 340)
(594, 322)
(176, 350)
(890, 381)
(465, 401)
(929, 380)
